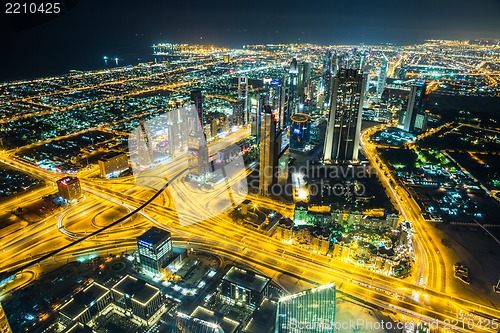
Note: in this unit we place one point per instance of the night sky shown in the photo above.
(80, 37)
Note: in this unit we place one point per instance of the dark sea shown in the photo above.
(32, 69)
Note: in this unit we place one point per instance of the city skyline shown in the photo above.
(267, 188)
(58, 45)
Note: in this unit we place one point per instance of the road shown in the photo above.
(219, 234)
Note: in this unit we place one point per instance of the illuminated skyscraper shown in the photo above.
(284, 111)
(326, 78)
(198, 161)
(270, 148)
(243, 96)
(293, 85)
(197, 100)
(4, 324)
(311, 311)
(344, 121)
(155, 249)
(415, 118)
(382, 76)
(300, 131)
(303, 79)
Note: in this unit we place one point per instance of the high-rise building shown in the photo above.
(270, 149)
(197, 100)
(243, 97)
(155, 249)
(326, 76)
(382, 77)
(293, 74)
(344, 121)
(314, 308)
(198, 161)
(69, 188)
(414, 118)
(303, 79)
(284, 110)
(300, 131)
(4, 324)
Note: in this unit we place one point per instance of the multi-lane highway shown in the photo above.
(220, 234)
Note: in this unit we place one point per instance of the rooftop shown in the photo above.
(78, 328)
(154, 235)
(83, 300)
(246, 279)
(111, 155)
(138, 290)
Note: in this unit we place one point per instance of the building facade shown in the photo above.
(270, 149)
(300, 131)
(113, 165)
(69, 188)
(155, 249)
(414, 118)
(137, 296)
(197, 99)
(344, 121)
(242, 287)
(311, 311)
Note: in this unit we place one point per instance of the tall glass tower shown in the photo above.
(4, 324)
(270, 148)
(310, 311)
(344, 120)
(414, 117)
(155, 249)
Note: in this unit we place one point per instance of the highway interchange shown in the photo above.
(110, 199)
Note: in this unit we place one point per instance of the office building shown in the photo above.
(155, 249)
(198, 161)
(4, 323)
(382, 77)
(344, 120)
(137, 296)
(197, 101)
(243, 288)
(292, 83)
(313, 308)
(414, 117)
(300, 131)
(284, 110)
(326, 78)
(243, 97)
(303, 80)
(113, 164)
(85, 305)
(69, 188)
(270, 149)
